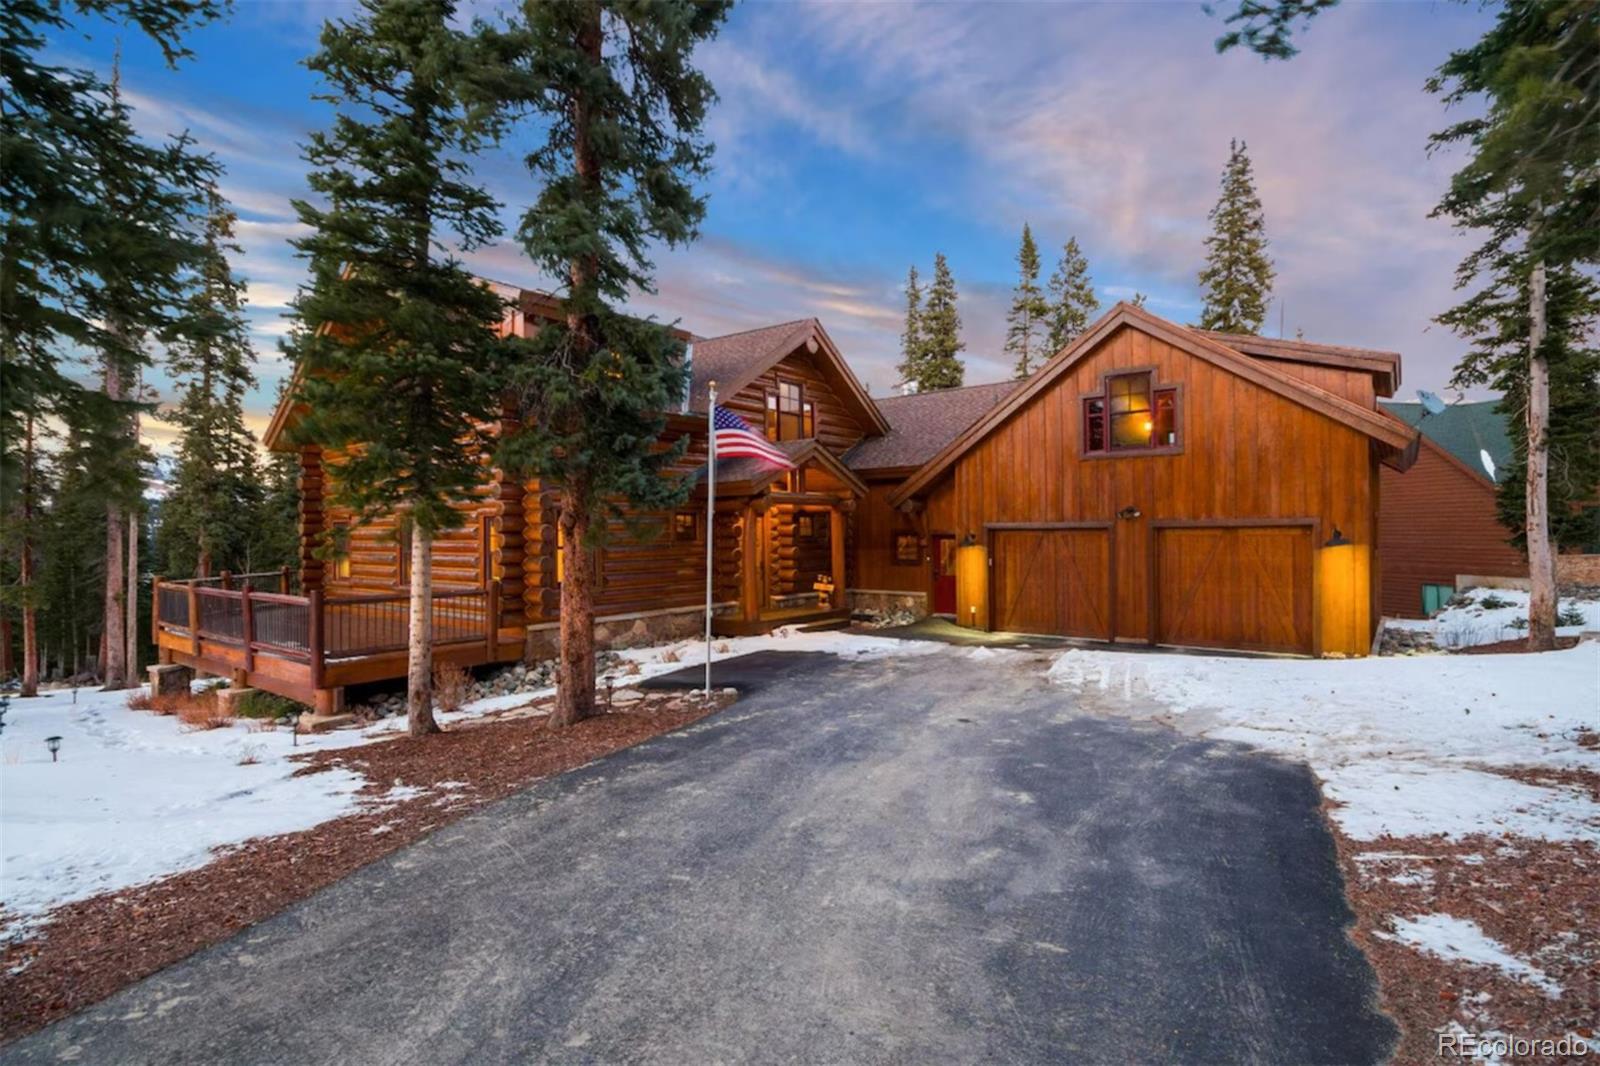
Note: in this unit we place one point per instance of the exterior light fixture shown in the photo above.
(54, 744)
(1129, 512)
(294, 728)
(970, 540)
(1337, 540)
(5, 705)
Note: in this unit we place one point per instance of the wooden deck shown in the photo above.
(309, 647)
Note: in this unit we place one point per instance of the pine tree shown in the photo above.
(1029, 314)
(396, 339)
(1238, 276)
(93, 254)
(622, 110)
(911, 345)
(1072, 299)
(22, 505)
(1531, 188)
(208, 517)
(940, 367)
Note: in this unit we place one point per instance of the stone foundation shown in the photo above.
(881, 603)
(634, 630)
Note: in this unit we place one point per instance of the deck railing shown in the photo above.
(313, 629)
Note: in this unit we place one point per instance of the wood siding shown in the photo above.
(1438, 520)
(876, 525)
(1246, 456)
(837, 428)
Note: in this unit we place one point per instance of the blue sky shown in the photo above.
(855, 139)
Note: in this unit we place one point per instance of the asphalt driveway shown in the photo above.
(909, 860)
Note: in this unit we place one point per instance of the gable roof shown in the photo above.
(756, 475)
(1399, 443)
(1465, 431)
(1383, 366)
(736, 359)
(921, 423)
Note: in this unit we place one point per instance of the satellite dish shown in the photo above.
(1488, 463)
(1430, 402)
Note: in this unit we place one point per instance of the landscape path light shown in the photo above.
(54, 744)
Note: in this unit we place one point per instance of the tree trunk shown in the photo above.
(113, 663)
(575, 659)
(132, 604)
(1541, 555)
(30, 617)
(419, 660)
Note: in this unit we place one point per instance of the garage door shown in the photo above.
(1053, 581)
(1243, 587)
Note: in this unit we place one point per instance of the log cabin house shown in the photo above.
(1151, 483)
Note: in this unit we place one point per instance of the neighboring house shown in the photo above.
(1150, 483)
(1439, 520)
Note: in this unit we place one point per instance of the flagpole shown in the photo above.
(711, 514)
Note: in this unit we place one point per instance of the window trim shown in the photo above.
(1157, 388)
(694, 527)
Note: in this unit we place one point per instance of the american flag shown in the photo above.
(735, 439)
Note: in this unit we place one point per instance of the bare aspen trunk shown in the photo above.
(575, 659)
(1541, 555)
(419, 660)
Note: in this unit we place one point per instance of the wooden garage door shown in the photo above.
(1245, 587)
(1052, 581)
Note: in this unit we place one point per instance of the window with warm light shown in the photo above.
(790, 416)
(685, 527)
(1132, 414)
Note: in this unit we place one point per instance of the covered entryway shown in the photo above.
(1053, 579)
(1234, 586)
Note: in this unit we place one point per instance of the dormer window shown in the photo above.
(1131, 414)
(790, 416)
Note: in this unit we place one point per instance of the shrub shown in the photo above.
(1569, 615)
(1491, 602)
(1519, 623)
(451, 686)
(141, 700)
(201, 711)
(258, 704)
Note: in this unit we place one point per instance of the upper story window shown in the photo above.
(1131, 414)
(790, 416)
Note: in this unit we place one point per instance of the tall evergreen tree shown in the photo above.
(1026, 322)
(1531, 188)
(1072, 299)
(209, 514)
(940, 366)
(622, 110)
(22, 505)
(395, 337)
(1238, 275)
(911, 345)
(93, 254)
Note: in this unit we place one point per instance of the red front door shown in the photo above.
(944, 573)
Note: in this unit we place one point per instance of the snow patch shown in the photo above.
(1459, 940)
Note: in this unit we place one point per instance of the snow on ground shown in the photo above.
(1459, 940)
(1469, 622)
(136, 796)
(1402, 744)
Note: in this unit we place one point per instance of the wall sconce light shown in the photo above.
(54, 744)
(970, 540)
(1337, 540)
(1129, 513)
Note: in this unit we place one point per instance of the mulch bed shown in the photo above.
(95, 947)
(1540, 899)
(1511, 647)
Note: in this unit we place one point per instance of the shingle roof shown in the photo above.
(1465, 430)
(923, 423)
(724, 359)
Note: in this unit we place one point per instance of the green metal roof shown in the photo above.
(1465, 430)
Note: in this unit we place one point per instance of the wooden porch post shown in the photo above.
(750, 580)
(227, 579)
(314, 637)
(283, 581)
(155, 608)
(491, 621)
(836, 543)
(249, 633)
(194, 620)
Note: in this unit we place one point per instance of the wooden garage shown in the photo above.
(1165, 485)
